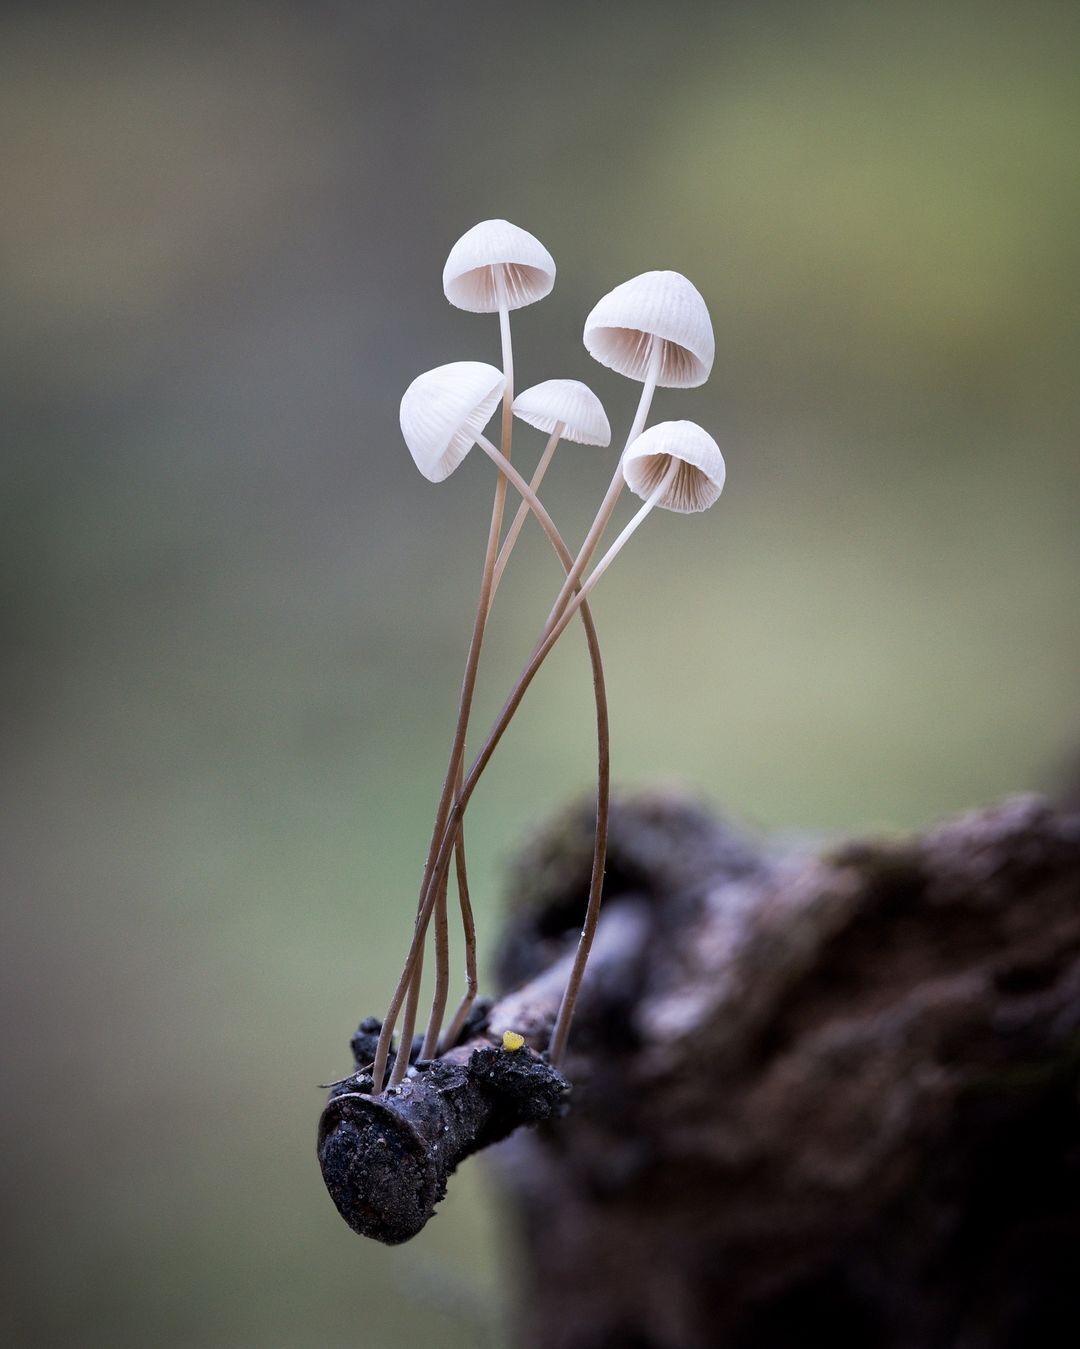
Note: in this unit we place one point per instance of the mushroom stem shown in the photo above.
(511, 474)
(578, 566)
(523, 510)
(603, 515)
(487, 749)
(635, 522)
(468, 925)
(408, 1021)
(561, 1029)
(468, 685)
(464, 1007)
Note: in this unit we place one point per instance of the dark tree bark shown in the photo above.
(819, 1096)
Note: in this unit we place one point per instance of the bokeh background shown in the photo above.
(236, 616)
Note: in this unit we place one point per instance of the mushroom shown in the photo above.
(565, 403)
(654, 328)
(444, 410)
(678, 467)
(493, 267)
(656, 311)
(443, 414)
(492, 256)
(685, 447)
(674, 465)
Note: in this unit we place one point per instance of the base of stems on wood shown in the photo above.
(386, 1160)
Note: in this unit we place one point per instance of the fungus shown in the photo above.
(690, 450)
(654, 328)
(493, 267)
(674, 465)
(566, 406)
(661, 309)
(494, 252)
(444, 410)
(659, 458)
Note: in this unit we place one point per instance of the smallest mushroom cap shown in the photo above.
(469, 275)
(444, 410)
(700, 478)
(565, 402)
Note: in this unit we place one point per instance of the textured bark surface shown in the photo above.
(385, 1160)
(820, 1096)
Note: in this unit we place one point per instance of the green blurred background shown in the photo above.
(236, 615)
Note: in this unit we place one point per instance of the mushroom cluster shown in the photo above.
(655, 329)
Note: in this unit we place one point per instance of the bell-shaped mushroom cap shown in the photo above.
(655, 304)
(469, 278)
(700, 478)
(565, 402)
(444, 411)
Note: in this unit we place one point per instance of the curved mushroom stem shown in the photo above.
(596, 530)
(506, 715)
(603, 515)
(523, 510)
(561, 1029)
(442, 955)
(528, 495)
(408, 1021)
(464, 1007)
(468, 925)
(635, 522)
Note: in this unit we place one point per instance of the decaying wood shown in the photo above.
(820, 1096)
(386, 1159)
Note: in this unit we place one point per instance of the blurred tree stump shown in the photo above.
(820, 1097)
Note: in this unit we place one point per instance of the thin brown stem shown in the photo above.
(468, 926)
(530, 498)
(467, 923)
(523, 510)
(561, 1030)
(607, 506)
(588, 547)
(464, 1007)
(465, 702)
(556, 624)
(506, 715)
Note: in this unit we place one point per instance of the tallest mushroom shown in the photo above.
(493, 268)
(496, 267)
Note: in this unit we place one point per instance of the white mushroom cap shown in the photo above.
(469, 278)
(699, 480)
(565, 402)
(445, 410)
(654, 304)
